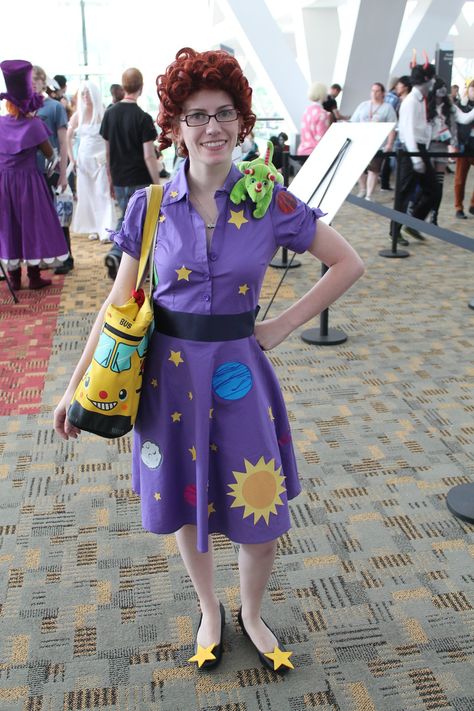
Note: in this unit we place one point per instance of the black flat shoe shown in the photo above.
(278, 660)
(209, 657)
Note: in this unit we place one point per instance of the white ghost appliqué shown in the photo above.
(151, 455)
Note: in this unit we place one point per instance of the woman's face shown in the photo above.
(86, 97)
(212, 143)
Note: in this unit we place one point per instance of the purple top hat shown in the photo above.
(17, 73)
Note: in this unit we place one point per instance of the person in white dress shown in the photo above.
(95, 213)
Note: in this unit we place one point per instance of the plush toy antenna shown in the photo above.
(267, 156)
(413, 58)
(427, 60)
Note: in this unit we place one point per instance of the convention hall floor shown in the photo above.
(373, 588)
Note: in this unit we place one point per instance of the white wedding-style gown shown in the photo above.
(95, 211)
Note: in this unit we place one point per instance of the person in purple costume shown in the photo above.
(29, 226)
(212, 443)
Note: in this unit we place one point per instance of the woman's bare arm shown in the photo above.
(345, 267)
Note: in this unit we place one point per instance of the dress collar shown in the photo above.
(178, 186)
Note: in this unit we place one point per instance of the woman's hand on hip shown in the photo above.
(271, 333)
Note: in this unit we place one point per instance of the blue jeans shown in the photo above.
(123, 195)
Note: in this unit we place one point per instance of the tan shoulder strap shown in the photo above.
(154, 195)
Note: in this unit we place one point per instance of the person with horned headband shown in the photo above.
(212, 446)
(95, 213)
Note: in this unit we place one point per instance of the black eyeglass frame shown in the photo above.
(209, 116)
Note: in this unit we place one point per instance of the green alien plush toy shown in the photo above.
(258, 181)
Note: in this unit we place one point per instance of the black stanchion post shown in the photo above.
(284, 263)
(323, 336)
(471, 304)
(395, 226)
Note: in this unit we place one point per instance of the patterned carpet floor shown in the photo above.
(373, 588)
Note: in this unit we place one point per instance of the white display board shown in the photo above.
(365, 140)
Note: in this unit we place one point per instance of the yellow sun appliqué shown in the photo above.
(258, 489)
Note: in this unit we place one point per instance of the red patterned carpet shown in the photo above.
(26, 335)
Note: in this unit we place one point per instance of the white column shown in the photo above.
(429, 25)
(317, 40)
(267, 49)
(370, 58)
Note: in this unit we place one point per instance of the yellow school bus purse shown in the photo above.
(106, 400)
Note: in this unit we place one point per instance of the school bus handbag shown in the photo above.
(106, 400)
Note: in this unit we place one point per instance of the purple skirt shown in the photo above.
(29, 226)
(212, 442)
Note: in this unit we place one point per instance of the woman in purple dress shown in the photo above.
(29, 226)
(212, 443)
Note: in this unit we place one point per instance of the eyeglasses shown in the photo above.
(201, 119)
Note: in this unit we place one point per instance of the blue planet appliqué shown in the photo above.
(232, 381)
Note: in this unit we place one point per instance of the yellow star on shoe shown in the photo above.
(243, 289)
(279, 658)
(176, 416)
(203, 655)
(193, 452)
(237, 218)
(175, 357)
(174, 193)
(183, 273)
(162, 218)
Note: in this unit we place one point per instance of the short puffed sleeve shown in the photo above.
(294, 223)
(129, 237)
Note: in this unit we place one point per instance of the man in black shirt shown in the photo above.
(129, 133)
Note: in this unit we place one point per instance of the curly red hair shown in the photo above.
(192, 71)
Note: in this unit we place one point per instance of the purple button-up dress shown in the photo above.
(212, 442)
(29, 225)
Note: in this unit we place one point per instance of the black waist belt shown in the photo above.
(200, 327)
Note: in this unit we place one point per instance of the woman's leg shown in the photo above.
(371, 182)
(255, 567)
(200, 567)
(362, 185)
(440, 169)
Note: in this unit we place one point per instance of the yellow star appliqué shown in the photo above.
(176, 416)
(157, 496)
(174, 193)
(210, 508)
(193, 452)
(154, 382)
(213, 447)
(162, 218)
(175, 357)
(211, 413)
(190, 395)
(183, 273)
(237, 218)
(270, 414)
(280, 658)
(243, 289)
(203, 654)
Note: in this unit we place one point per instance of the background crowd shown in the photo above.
(92, 158)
